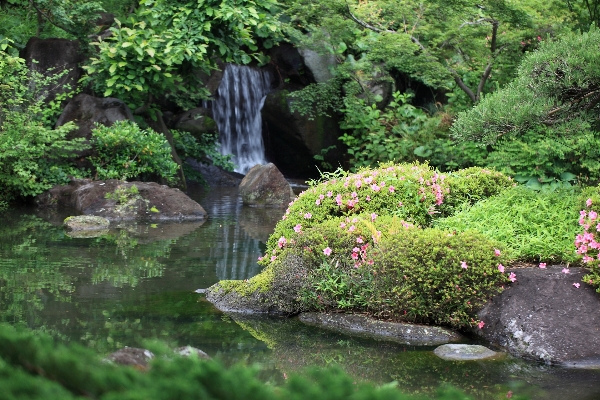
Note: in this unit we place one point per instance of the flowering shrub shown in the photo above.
(412, 192)
(389, 268)
(586, 244)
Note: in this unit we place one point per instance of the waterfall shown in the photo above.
(236, 110)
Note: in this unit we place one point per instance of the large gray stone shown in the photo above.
(360, 325)
(265, 186)
(55, 56)
(464, 352)
(543, 317)
(86, 223)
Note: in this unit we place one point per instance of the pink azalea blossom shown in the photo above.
(400, 204)
(463, 265)
(327, 251)
(565, 270)
(497, 252)
(375, 188)
(352, 228)
(368, 179)
(260, 258)
(588, 202)
(356, 250)
(321, 196)
(369, 199)
(338, 200)
(358, 183)
(298, 228)
(329, 194)
(542, 265)
(576, 285)
(281, 242)
(355, 256)
(373, 216)
(308, 215)
(354, 220)
(342, 224)
(273, 258)
(501, 268)
(359, 239)
(593, 215)
(318, 201)
(512, 277)
(391, 189)
(354, 194)
(481, 324)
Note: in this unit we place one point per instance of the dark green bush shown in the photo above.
(34, 367)
(125, 151)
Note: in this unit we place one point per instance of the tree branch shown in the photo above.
(364, 24)
(47, 17)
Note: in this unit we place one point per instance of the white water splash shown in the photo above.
(241, 96)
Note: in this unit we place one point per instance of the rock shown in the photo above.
(215, 176)
(232, 302)
(543, 317)
(53, 56)
(360, 325)
(197, 121)
(138, 358)
(292, 140)
(265, 186)
(86, 111)
(86, 223)
(464, 352)
(320, 65)
(187, 351)
(125, 201)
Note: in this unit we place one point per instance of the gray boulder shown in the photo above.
(124, 201)
(54, 56)
(464, 352)
(544, 317)
(360, 325)
(265, 186)
(132, 356)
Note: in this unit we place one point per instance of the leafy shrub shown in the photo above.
(203, 149)
(413, 192)
(587, 247)
(125, 151)
(34, 367)
(33, 157)
(389, 268)
(535, 226)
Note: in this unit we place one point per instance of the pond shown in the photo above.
(138, 282)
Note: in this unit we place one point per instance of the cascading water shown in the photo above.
(241, 96)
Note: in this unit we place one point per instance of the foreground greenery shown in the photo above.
(34, 367)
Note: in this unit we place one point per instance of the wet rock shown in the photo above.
(232, 302)
(138, 358)
(86, 223)
(197, 121)
(319, 64)
(360, 325)
(215, 176)
(265, 186)
(464, 352)
(125, 201)
(543, 317)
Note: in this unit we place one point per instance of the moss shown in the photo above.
(260, 283)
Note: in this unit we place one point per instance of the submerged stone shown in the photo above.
(86, 223)
(464, 352)
(399, 332)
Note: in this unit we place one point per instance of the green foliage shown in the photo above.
(207, 147)
(34, 367)
(33, 157)
(122, 194)
(124, 151)
(164, 44)
(413, 192)
(534, 226)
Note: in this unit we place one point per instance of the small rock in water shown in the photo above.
(464, 352)
(133, 356)
(187, 351)
(200, 291)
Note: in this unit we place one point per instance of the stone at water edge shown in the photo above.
(86, 223)
(464, 352)
(265, 186)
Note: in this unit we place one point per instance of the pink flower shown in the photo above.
(481, 324)
(497, 252)
(298, 228)
(373, 216)
(327, 251)
(375, 187)
(354, 194)
(329, 194)
(338, 200)
(501, 268)
(400, 204)
(593, 215)
(542, 265)
(576, 285)
(308, 215)
(565, 270)
(463, 265)
(273, 258)
(352, 228)
(355, 256)
(281, 242)
(342, 224)
(359, 239)
(318, 201)
(356, 250)
(358, 183)
(260, 258)
(588, 202)
(368, 179)
(321, 196)
(391, 189)
(368, 198)
(512, 277)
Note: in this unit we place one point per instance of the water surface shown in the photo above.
(137, 282)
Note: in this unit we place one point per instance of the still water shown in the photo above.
(138, 282)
